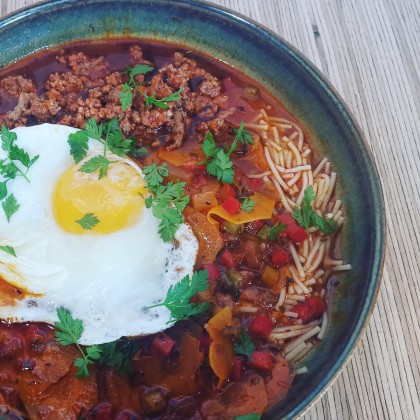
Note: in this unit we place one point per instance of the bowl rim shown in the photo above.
(318, 78)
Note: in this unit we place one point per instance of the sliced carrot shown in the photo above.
(222, 319)
(221, 355)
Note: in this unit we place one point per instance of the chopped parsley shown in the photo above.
(109, 134)
(218, 162)
(69, 331)
(9, 249)
(178, 297)
(244, 346)
(118, 354)
(126, 94)
(275, 230)
(250, 416)
(166, 201)
(163, 102)
(17, 163)
(248, 205)
(307, 217)
(88, 221)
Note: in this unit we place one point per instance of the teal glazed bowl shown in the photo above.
(290, 77)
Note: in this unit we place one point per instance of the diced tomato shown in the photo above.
(227, 259)
(280, 257)
(163, 344)
(199, 182)
(260, 327)
(261, 360)
(311, 309)
(238, 368)
(293, 231)
(225, 192)
(213, 270)
(254, 183)
(254, 226)
(317, 304)
(232, 205)
(205, 342)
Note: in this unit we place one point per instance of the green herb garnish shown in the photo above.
(275, 230)
(244, 346)
(307, 217)
(9, 249)
(162, 103)
(109, 134)
(17, 163)
(69, 331)
(126, 94)
(88, 221)
(248, 205)
(178, 297)
(118, 354)
(218, 162)
(167, 201)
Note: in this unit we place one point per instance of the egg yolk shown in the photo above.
(116, 199)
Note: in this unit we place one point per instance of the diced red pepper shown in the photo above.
(260, 326)
(227, 259)
(213, 270)
(317, 304)
(280, 257)
(254, 226)
(163, 344)
(238, 368)
(232, 205)
(311, 309)
(224, 192)
(293, 231)
(254, 183)
(205, 342)
(261, 360)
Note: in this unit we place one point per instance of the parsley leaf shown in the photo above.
(126, 97)
(98, 162)
(245, 345)
(10, 206)
(250, 416)
(153, 175)
(78, 145)
(88, 221)
(69, 331)
(136, 70)
(118, 354)
(115, 139)
(9, 249)
(162, 103)
(178, 297)
(93, 130)
(218, 159)
(221, 167)
(275, 230)
(248, 205)
(307, 217)
(11, 167)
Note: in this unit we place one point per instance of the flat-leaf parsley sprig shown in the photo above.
(307, 217)
(111, 137)
(69, 331)
(166, 201)
(17, 163)
(126, 94)
(178, 297)
(244, 346)
(218, 162)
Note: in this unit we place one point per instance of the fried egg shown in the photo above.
(107, 276)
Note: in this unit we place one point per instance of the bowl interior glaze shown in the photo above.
(290, 77)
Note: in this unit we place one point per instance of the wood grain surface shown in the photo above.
(370, 51)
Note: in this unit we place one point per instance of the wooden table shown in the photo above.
(370, 51)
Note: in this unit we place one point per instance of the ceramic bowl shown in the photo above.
(286, 73)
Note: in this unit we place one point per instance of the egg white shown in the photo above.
(107, 280)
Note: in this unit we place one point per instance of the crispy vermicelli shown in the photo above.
(293, 167)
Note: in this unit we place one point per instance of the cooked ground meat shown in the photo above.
(89, 89)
